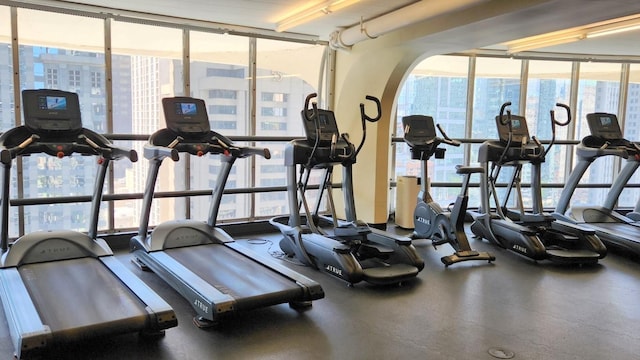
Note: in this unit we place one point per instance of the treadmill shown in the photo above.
(202, 262)
(59, 286)
(612, 228)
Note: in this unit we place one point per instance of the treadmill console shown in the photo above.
(419, 130)
(186, 115)
(519, 129)
(326, 123)
(604, 126)
(51, 111)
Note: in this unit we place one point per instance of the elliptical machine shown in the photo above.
(430, 220)
(536, 235)
(350, 249)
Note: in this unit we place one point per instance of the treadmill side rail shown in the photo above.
(159, 310)
(205, 299)
(25, 325)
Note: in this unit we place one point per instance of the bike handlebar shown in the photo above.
(446, 139)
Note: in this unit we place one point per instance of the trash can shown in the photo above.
(407, 190)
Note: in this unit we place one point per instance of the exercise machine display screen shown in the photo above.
(604, 126)
(52, 102)
(326, 123)
(515, 124)
(186, 115)
(519, 129)
(186, 108)
(51, 110)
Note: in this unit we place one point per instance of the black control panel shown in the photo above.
(419, 130)
(519, 129)
(327, 126)
(324, 145)
(186, 115)
(47, 110)
(521, 148)
(604, 126)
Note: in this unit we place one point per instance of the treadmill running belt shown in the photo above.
(249, 282)
(75, 298)
(608, 230)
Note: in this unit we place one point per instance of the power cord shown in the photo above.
(276, 254)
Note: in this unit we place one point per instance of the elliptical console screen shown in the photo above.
(186, 115)
(326, 123)
(49, 110)
(519, 129)
(604, 125)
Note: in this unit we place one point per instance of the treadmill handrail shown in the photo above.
(22, 141)
(169, 143)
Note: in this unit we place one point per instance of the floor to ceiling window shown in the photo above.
(286, 73)
(54, 55)
(220, 76)
(498, 80)
(630, 197)
(549, 82)
(147, 66)
(7, 104)
(598, 91)
(437, 87)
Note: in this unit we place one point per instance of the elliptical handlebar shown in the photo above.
(364, 117)
(502, 121)
(554, 122)
(307, 100)
(502, 109)
(568, 111)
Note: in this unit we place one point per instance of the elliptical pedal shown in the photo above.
(560, 240)
(371, 250)
(459, 256)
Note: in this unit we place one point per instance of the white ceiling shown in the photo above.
(501, 20)
(263, 14)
